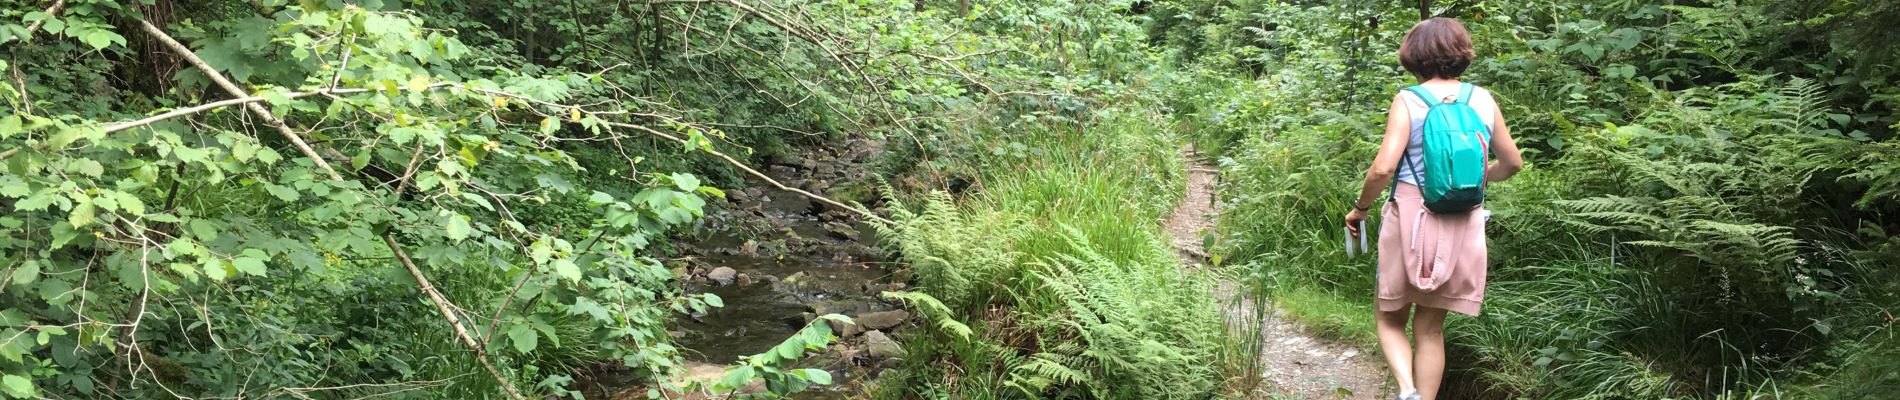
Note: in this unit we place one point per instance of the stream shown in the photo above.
(778, 260)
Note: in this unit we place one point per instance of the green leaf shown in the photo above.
(714, 300)
(686, 182)
(737, 377)
(12, 186)
(243, 151)
(87, 167)
(524, 338)
(457, 228)
(99, 39)
(252, 262)
(360, 160)
(817, 376)
(549, 125)
(203, 229)
(130, 203)
(566, 269)
(11, 349)
(214, 269)
(284, 193)
(65, 137)
(82, 214)
(26, 273)
(18, 386)
(9, 126)
(540, 251)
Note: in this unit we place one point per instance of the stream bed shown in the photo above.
(778, 260)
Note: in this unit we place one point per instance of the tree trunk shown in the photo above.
(1424, 10)
(152, 75)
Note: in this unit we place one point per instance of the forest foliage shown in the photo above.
(391, 196)
(473, 199)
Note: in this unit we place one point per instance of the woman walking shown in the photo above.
(1431, 240)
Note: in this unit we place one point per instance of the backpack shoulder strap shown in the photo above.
(1464, 93)
(1424, 95)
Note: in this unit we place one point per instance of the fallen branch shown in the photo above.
(448, 314)
(237, 92)
(175, 113)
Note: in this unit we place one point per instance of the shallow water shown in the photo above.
(762, 314)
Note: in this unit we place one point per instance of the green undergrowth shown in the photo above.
(1059, 266)
(1329, 315)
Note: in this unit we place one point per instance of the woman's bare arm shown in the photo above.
(1509, 161)
(1398, 134)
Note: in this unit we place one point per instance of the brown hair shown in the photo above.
(1436, 48)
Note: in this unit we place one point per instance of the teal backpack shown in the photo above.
(1451, 174)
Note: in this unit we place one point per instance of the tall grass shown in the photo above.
(1059, 266)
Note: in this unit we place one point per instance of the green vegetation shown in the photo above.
(1707, 212)
(478, 199)
(1070, 286)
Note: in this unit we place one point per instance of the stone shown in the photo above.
(841, 231)
(744, 279)
(843, 329)
(789, 204)
(723, 275)
(881, 346)
(882, 320)
(842, 306)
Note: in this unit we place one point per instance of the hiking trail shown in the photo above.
(1295, 363)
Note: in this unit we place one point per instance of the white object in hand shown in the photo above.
(1354, 249)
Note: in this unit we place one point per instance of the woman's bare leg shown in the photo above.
(1428, 364)
(1397, 347)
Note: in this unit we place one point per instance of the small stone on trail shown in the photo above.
(723, 275)
(745, 280)
(882, 346)
(882, 320)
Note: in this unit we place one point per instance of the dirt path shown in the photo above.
(1297, 364)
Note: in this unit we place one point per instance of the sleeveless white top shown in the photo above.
(1414, 159)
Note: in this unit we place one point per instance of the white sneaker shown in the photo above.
(1411, 395)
